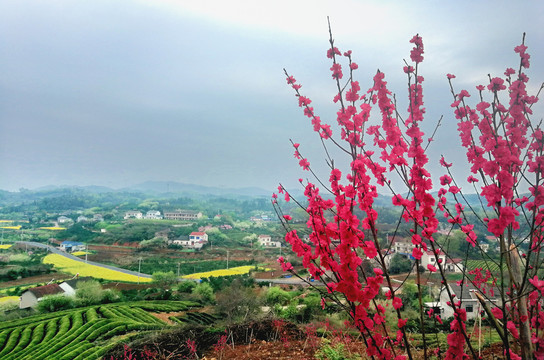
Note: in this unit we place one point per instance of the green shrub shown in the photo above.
(186, 286)
(336, 352)
(276, 295)
(110, 296)
(89, 292)
(290, 312)
(162, 278)
(55, 303)
(204, 292)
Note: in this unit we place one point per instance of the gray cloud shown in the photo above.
(116, 93)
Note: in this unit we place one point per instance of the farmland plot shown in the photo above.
(83, 333)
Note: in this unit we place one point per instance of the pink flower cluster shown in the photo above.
(496, 138)
(500, 145)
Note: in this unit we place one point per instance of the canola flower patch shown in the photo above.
(9, 299)
(5, 246)
(16, 227)
(239, 270)
(79, 253)
(76, 267)
(54, 228)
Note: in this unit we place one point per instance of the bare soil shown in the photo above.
(127, 286)
(36, 279)
(264, 350)
(165, 316)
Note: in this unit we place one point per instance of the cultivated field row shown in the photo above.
(83, 333)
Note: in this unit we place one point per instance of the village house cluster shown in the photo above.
(32, 296)
(63, 219)
(196, 240)
(404, 247)
(266, 241)
(168, 215)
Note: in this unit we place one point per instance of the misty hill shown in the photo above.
(164, 190)
(75, 197)
(176, 188)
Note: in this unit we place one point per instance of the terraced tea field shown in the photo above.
(195, 318)
(484, 265)
(83, 333)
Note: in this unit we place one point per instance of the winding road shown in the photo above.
(55, 250)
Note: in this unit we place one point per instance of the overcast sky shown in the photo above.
(120, 92)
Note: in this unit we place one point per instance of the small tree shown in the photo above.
(204, 292)
(400, 264)
(276, 295)
(162, 278)
(89, 292)
(506, 153)
(238, 303)
(186, 286)
(55, 303)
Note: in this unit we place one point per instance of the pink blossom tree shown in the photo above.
(505, 151)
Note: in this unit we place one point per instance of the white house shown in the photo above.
(429, 258)
(182, 215)
(454, 265)
(198, 236)
(387, 257)
(133, 215)
(469, 301)
(32, 296)
(70, 286)
(401, 245)
(64, 219)
(189, 243)
(266, 241)
(153, 214)
(82, 218)
(71, 246)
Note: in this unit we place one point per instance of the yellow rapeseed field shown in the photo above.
(5, 246)
(240, 270)
(79, 253)
(52, 228)
(76, 267)
(17, 227)
(9, 299)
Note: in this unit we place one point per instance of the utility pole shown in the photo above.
(139, 268)
(227, 259)
(86, 252)
(178, 268)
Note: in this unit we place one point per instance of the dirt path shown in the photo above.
(165, 316)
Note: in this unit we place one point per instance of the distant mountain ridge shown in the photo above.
(172, 187)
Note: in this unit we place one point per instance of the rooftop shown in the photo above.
(51, 289)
